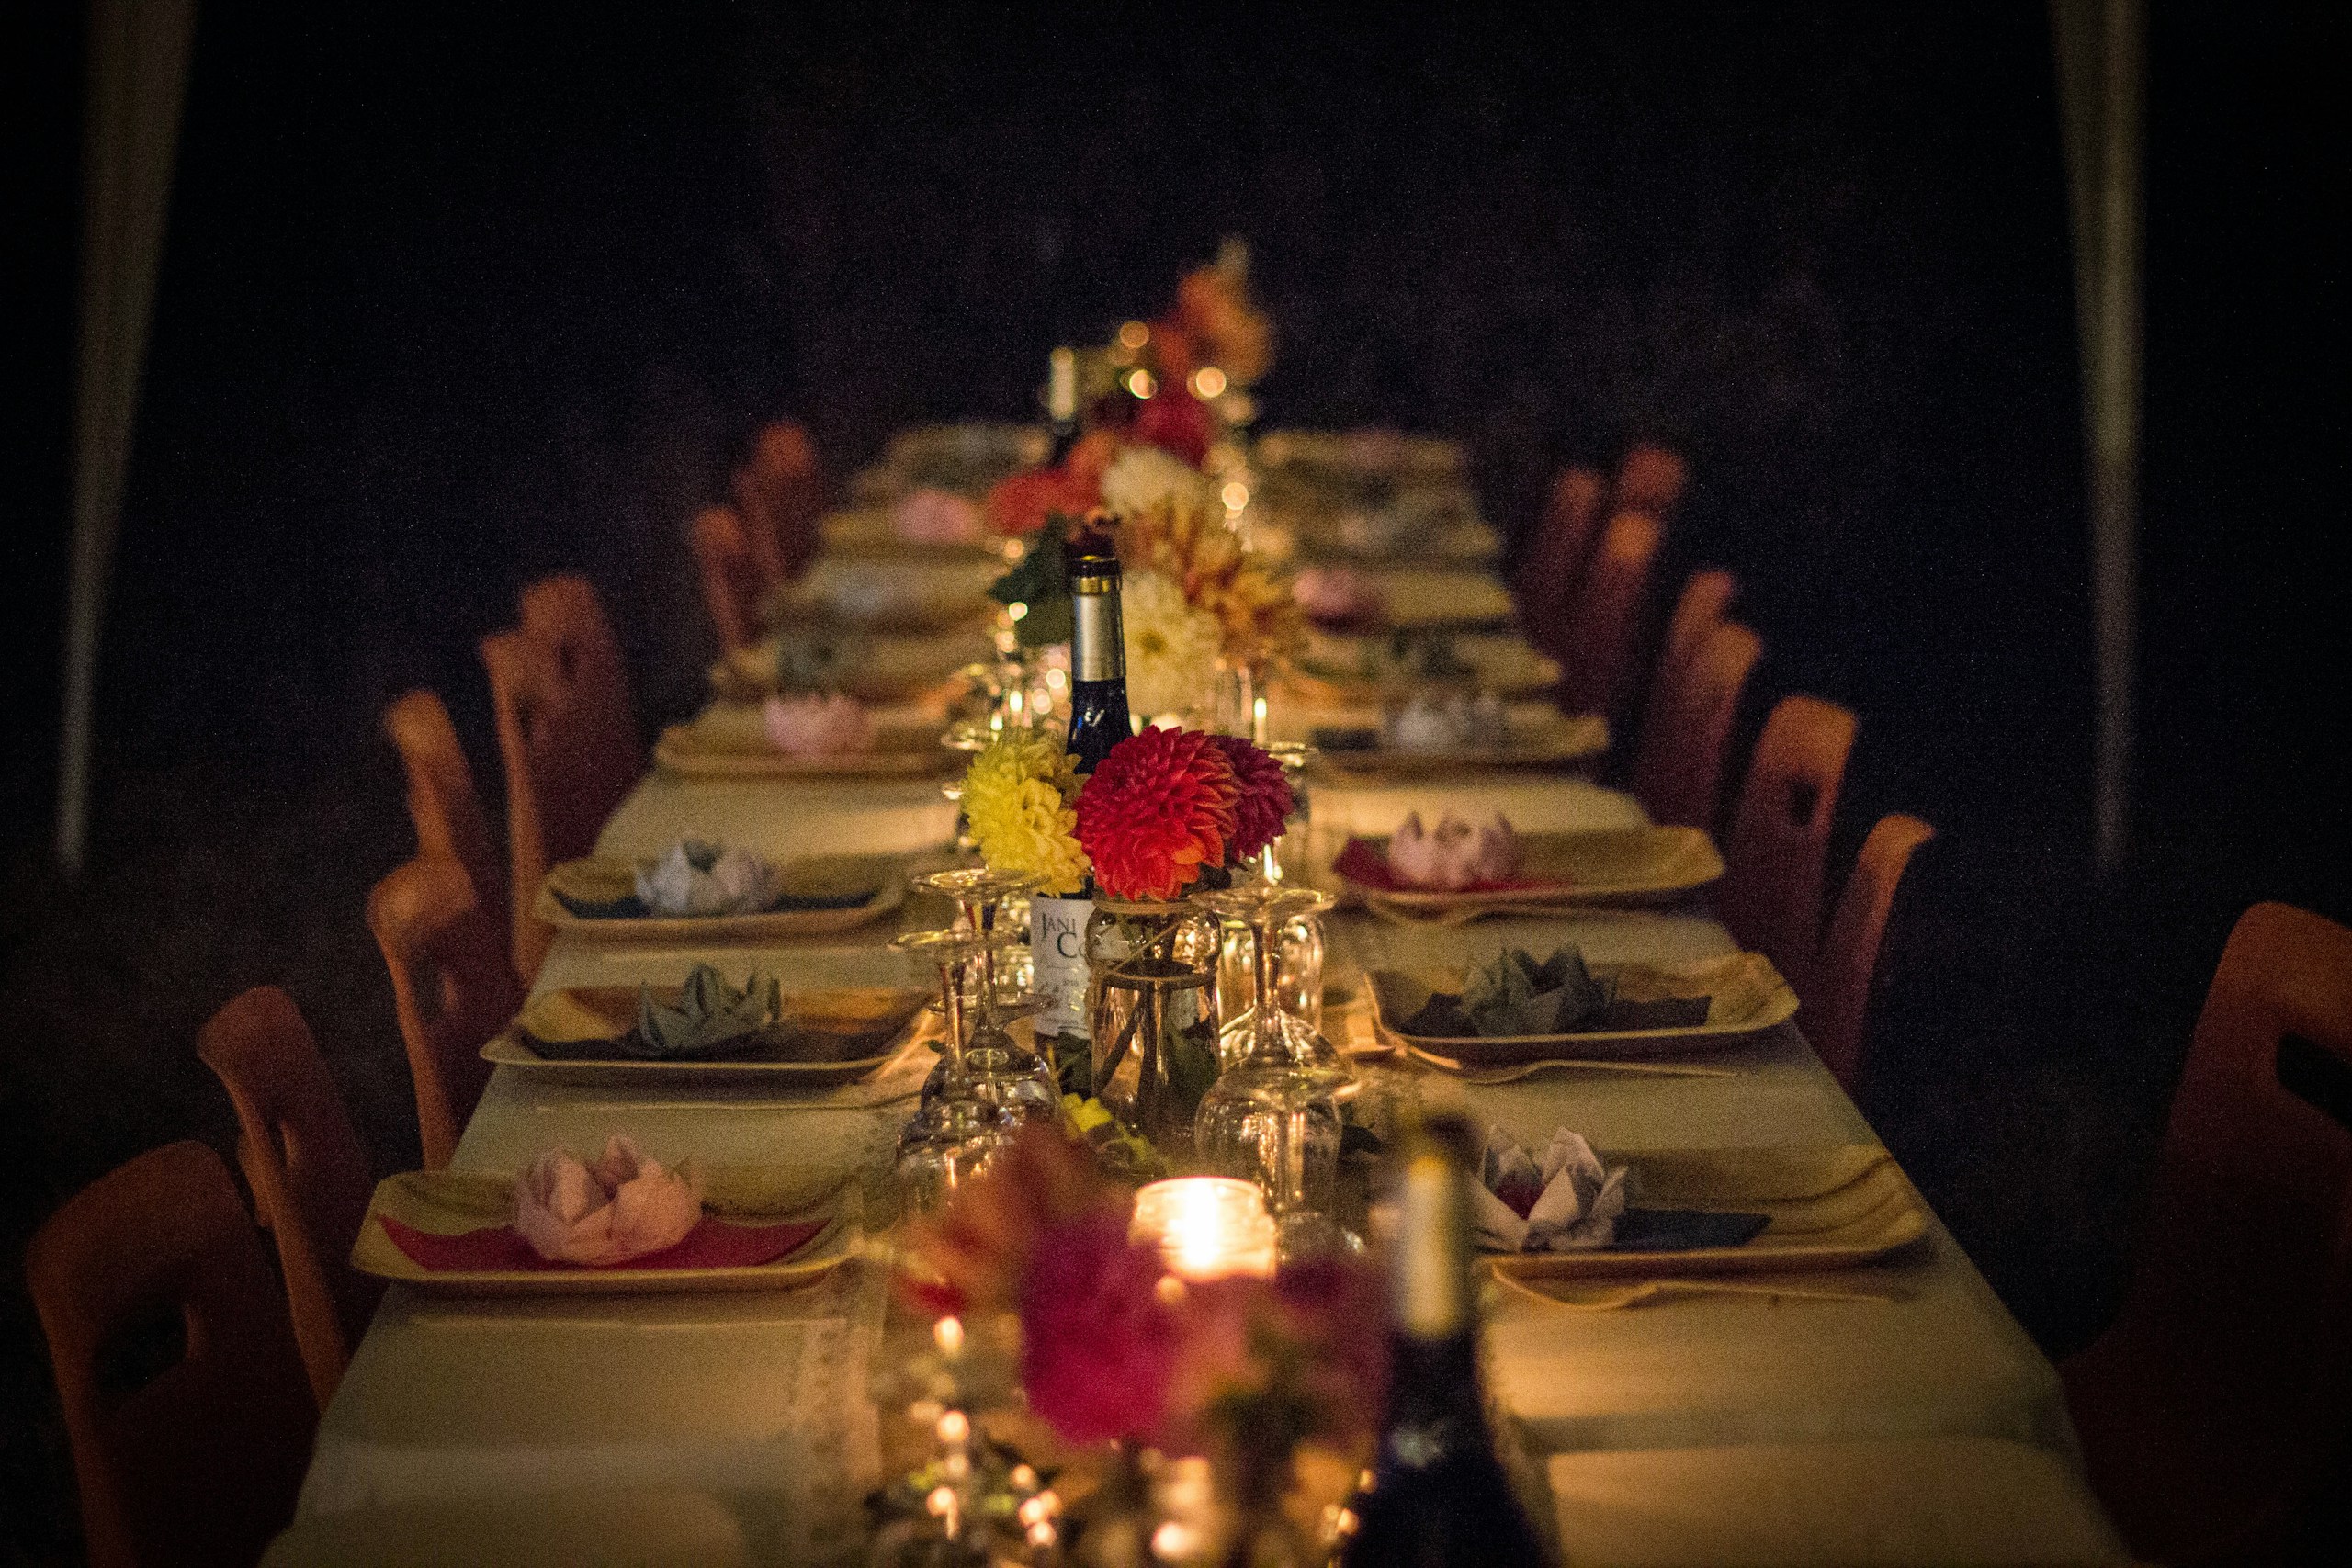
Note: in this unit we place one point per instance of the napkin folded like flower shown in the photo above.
(1338, 596)
(822, 726)
(932, 516)
(709, 1013)
(1567, 1202)
(624, 1206)
(1455, 855)
(1447, 724)
(1511, 994)
(696, 877)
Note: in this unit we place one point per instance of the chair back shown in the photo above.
(199, 1464)
(565, 615)
(1679, 769)
(1596, 646)
(1548, 576)
(1652, 479)
(1774, 859)
(732, 582)
(1705, 602)
(569, 764)
(2217, 1401)
(780, 492)
(1837, 1009)
(442, 798)
(303, 1163)
(452, 988)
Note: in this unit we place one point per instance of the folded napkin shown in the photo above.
(709, 1014)
(1457, 722)
(1512, 996)
(830, 724)
(694, 876)
(1338, 596)
(1571, 1202)
(1363, 861)
(624, 1206)
(816, 657)
(1454, 854)
(929, 515)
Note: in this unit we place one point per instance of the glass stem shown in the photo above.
(1269, 1033)
(951, 1009)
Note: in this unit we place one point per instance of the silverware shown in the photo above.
(1489, 1076)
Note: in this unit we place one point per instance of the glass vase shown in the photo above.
(1151, 994)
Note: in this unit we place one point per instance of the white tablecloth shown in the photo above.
(760, 1400)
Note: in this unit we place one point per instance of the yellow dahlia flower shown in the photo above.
(1017, 798)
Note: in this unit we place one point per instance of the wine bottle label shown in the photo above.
(1429, 1280)
(1098, 650)
(1058, 961)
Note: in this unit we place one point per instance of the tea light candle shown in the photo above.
(1206, 1227)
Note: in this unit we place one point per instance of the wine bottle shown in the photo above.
(1098, 650)
(1438, 1495)
(1061, 401)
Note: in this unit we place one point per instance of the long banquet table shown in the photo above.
(1909, 1420)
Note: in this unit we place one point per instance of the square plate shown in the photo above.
(1558, 741)
(1611, 865)
(1745, 994)
(728, 740)
(1836, 1206)
(836, 1036)
(1341, 667)
(450, 1202)
(913, 667)
(601, 879)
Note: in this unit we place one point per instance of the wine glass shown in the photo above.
(960, 1123)
(1025, 1078)
(1273, 1117)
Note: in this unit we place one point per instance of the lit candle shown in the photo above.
(1206, 1227)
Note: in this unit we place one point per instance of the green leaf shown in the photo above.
(1042, 582)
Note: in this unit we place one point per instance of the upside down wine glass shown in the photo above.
(1274, 1116)
(1017, 1076)
(959, 1124)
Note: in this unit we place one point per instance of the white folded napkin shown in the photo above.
(823, 726)
(1572, 1201)
(1454, 854)
(694, 877)
(624, 1206)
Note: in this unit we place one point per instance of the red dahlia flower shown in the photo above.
(1266, 798)
(1096, 1340)
(1159, 808)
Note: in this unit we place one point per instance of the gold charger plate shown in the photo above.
(1342, 668)
(834, 1036)
(1610, 865)
(1836, 1206)
(699, 750)
(451, 1201)
(1564, 742)
(602, 879)
(893, 591)
(1745, 994)
(917, 668)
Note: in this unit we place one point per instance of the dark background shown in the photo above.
(446, 304)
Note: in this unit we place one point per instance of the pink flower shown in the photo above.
(1097, 1343)
(818, 726)
(929, 516)
(1338, 596)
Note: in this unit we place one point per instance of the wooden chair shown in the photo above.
(1678, 772)
(198, 1464)
(733, 580)
(1704, 604)
(1772, 891)
(303, 1163)
(442, 799)
(451, 986)
(1596, 646)
(779, 492)
(1845, 972)
(2217, 1401)
(1651, 479)
(568, 737)
(1545, 584)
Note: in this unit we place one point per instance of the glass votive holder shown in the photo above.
(1206, 1227)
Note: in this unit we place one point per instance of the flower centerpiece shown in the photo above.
(1277, 1382)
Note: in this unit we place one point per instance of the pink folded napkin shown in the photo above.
(929, 516)
(1337, 595)
(1567, 1202)
(818, 726)
(1453, 854)
(624, 1206)
(1365, 863)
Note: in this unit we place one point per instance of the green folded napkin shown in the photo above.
(1514, 995)
(709, 1013)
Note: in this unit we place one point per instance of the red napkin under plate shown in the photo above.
(499, 1249)
(1363, 862)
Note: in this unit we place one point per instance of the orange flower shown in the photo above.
(1159, 808)
(1020, 504)
(1266, 798)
